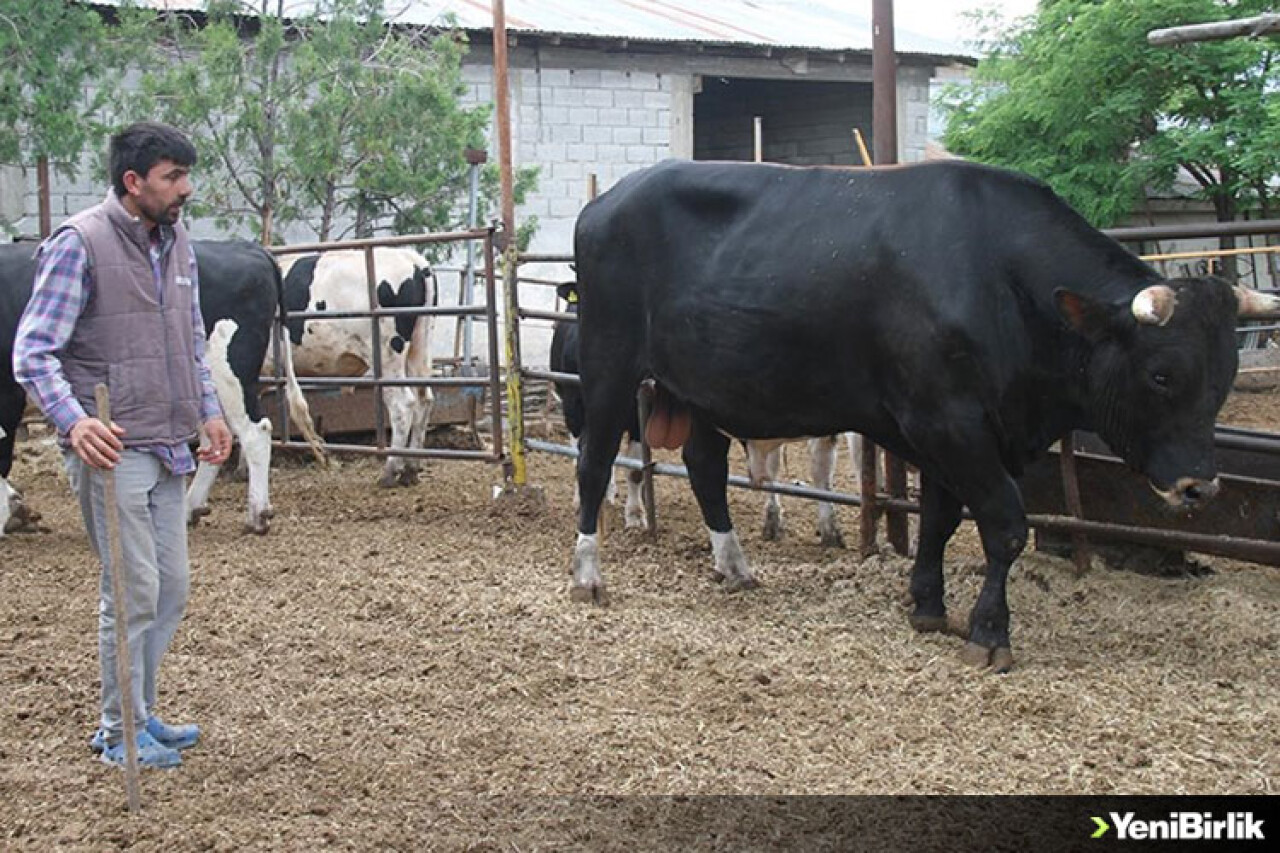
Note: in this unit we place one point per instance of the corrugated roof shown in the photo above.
(813, 24)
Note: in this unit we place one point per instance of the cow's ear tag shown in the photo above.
(1084, 315)
(568, 291)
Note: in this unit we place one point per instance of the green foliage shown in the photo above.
(338, 112)
(59, 68)
(1075, 96)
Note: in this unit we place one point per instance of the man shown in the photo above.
(115, 300)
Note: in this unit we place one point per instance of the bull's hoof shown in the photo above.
(957, 627)
(197, 513)
(635, 521)
(388, 480)
(262, 528)
(408, 477)
(772, 531)
(831, 537)
(928, 624)
(999, 659)
(596, 595)
(22, 519)
(738, 584)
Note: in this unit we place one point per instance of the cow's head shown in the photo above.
(1159, 368)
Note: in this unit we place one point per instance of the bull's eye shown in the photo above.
(1160, 379)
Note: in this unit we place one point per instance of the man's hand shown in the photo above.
(218, 448)
(94, 443)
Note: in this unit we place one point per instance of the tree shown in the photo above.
(337, 112)
(1075, 96)
(59, 66)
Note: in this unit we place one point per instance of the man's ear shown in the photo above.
(131, 182)
(1087, 317)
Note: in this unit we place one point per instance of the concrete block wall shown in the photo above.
(571, 123)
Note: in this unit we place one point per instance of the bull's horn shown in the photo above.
(1255, 304)
(1154, 305)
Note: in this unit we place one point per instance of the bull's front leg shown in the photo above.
(1002, 524)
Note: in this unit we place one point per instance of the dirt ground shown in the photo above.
(404, 670)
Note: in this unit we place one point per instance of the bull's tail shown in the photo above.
(299, 411)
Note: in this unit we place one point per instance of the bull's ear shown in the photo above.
(1088, 317)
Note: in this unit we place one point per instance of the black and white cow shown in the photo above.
(17, 274)
(961, 316)
(336, 281)
(239, 297)
(763, 457)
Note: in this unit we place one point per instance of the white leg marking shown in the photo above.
(588, 584)
(768, 466)
(255, 452)
(198, 492)
(577, 496)
(401, 405)
(822, 470)
(730, 562)
(855, 453)
(6, 495)
(634, 512)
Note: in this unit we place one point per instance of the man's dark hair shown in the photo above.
(141, 145)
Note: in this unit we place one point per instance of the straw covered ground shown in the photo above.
(404, 669)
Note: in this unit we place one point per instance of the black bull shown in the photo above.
(961, 316)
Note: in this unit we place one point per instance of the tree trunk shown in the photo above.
(1224, 205)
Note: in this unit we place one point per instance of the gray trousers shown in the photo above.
(153, 538)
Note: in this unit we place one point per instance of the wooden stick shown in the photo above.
(862, 147)
(124, 671)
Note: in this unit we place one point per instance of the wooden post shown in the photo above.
(516, 470)
(124, 671)
(43, 196)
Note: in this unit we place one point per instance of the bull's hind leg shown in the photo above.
(940, 515)
(773, 527)
(822, 472)
(597, 448)
(706, 456)
(633, 515)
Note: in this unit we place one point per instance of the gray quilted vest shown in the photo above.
(138, 340)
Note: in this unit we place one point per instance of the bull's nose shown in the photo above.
(1193, 492)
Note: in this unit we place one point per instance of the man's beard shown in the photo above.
(166, 215)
